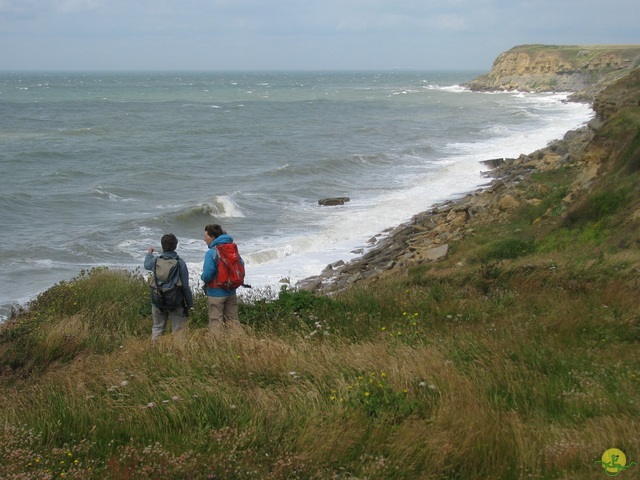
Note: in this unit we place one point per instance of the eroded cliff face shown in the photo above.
(615, 97)
(584, 70)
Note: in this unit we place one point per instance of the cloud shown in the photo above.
(21, 9)
(385, 22)
(258, 34)
(449, 22)
(17, 10)
(67, 6)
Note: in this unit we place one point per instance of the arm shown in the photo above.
(184, 278)
(149, 259)
(210, 267)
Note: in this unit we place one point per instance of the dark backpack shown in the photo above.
(165, 284)
(230, 268)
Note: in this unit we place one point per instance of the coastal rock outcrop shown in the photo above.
(582, 69)
(332, 201)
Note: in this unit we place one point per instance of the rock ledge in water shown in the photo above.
(331, 201)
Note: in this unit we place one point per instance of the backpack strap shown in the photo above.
(155, 277)
(218, 259)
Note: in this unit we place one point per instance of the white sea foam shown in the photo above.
(451, 88)
(222, 207)
(100, 192)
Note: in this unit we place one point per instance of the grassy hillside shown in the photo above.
(515, 357)
(580, 55)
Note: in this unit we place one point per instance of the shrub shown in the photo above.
(509, 249)
(286, 312)
(597, 207)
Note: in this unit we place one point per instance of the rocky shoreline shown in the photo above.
(428, 236)
(605, 76)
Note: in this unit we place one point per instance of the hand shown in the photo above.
(150, 250)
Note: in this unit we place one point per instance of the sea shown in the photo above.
(96, 167)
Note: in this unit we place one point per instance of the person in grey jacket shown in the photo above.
(178, 315)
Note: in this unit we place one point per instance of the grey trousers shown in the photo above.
(160, 319)
(223, 314)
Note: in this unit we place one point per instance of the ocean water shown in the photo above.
(97, 166)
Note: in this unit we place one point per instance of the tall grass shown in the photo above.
(410, 379)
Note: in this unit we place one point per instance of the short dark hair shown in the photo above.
(169, 242)
(214, 230)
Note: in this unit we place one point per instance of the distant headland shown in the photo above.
(583, 69)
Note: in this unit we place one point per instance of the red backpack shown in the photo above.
(230, 268)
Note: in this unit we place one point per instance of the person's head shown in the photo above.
(169, 242)
(211, 232)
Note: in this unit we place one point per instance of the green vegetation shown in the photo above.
(578, 55)
(512, 369)
(515, 357)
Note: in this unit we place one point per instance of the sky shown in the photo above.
(219, 35)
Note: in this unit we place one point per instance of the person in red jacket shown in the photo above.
(223, 302)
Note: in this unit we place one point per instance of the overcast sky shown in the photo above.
(297, 34)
